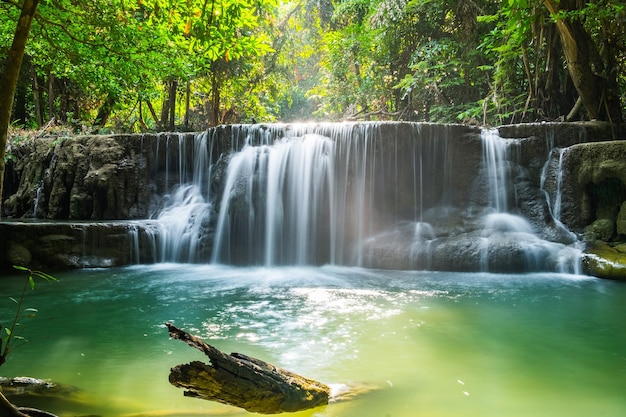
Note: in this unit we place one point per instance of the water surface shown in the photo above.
(426, 343)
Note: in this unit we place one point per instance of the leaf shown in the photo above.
(44, 275)
(20, 268)
(490, 18)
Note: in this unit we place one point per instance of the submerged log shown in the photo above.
(243, 381)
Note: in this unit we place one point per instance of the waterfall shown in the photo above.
(384, 195)
(274, 203)
(183, 221)
(554, 202)
(506, 231)
(37, 199)
(496, 166)
(319, 193)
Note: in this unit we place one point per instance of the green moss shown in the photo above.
(604, 261)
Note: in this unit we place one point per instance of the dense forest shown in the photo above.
(145, 65)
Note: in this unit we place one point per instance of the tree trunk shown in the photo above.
(142, 122)
(36, 96)
(214, 119)
(10, 75)
(598, 92)
(51, 112)
(104, 112)
(153, 113)
(244, 382)
(165, 108)
(63, 96)
(187, 104)
(172, 100)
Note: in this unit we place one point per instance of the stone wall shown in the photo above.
(114, 177)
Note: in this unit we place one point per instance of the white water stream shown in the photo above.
(325, 194)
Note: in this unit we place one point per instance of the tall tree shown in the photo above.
(10, 75)
(595, 82)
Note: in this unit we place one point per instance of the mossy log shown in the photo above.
(244, 382)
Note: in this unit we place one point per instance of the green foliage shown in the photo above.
(483, 61)
(120, 52)
(530, 78)
(9, 338)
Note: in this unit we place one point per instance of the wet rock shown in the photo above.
(38, 394)
(604, 261)
(26, 385)
(594, 183)
(55, 245)
(18, 254)
(131, 177)
(601, 229)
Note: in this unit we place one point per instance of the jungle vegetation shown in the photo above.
(150, 65)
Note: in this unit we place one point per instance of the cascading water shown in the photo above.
(36, 199)
(180, 230)
(275, 202)
(554, 202)
(391, 195)
(319, 193)
(502, 228)
(496, 169)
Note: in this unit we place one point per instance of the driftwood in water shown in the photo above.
(244, 382)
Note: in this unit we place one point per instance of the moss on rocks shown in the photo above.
(605, 261)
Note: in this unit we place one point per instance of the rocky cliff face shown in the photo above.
(86, 177)
(566, 180)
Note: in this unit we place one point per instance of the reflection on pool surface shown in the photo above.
(429, 343)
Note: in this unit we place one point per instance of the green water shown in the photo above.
(423, 343)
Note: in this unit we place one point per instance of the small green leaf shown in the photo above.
(489, 18)
(31, 281)
(45, 276)
(20, 268)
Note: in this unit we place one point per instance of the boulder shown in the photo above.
(605, 261)
(601, 229)
(594, 183)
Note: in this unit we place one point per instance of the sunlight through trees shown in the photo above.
(163, 65)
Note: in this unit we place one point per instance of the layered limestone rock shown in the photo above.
(566, 181)
(113, 177)
(57, 245)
